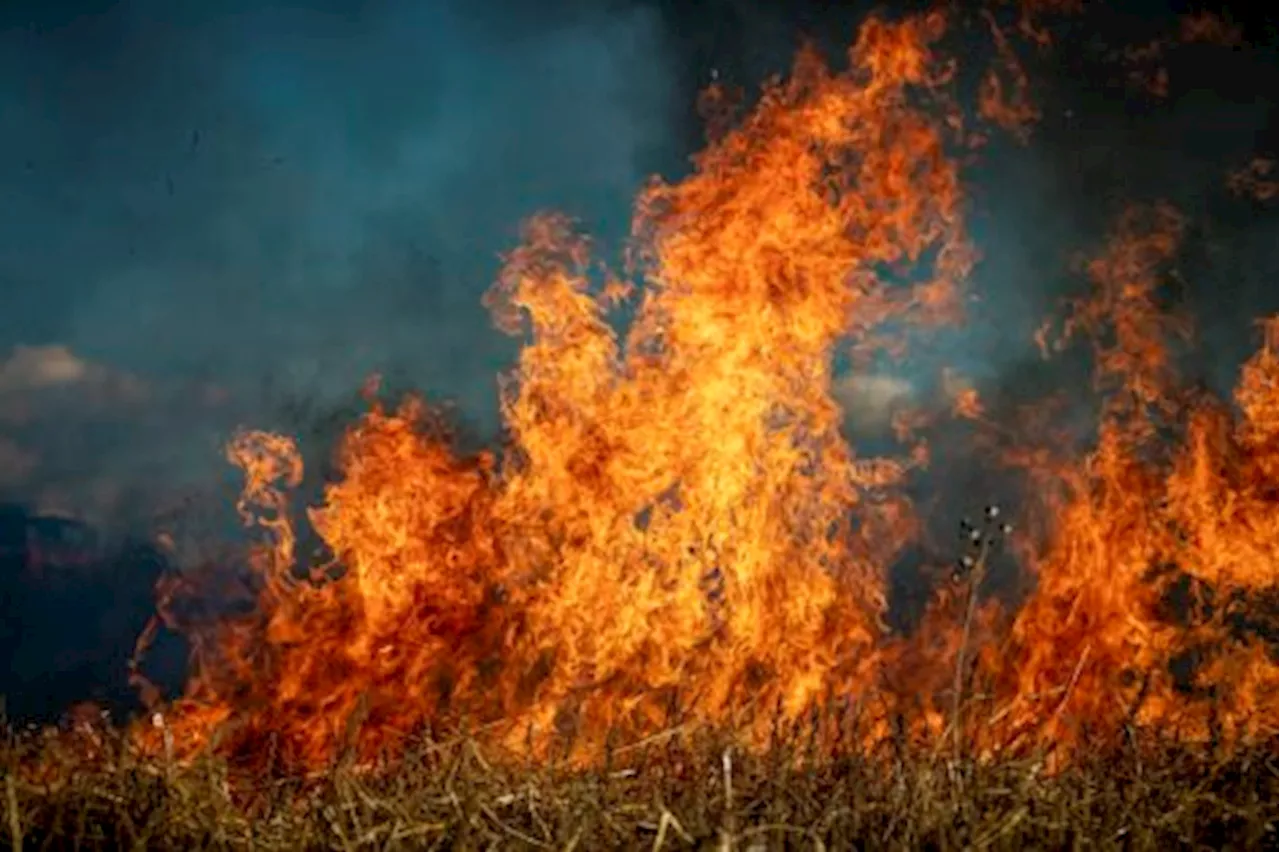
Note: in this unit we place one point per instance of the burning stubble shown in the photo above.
(677, 530)
(797, 527)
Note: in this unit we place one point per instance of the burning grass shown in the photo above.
(678, 789)
(676, 514)
(677, 522)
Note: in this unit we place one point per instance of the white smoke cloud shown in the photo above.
(871, 400)
(88, 440)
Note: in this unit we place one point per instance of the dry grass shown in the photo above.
(683, 790)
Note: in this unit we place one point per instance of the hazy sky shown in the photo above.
(291, 195)
(303, 189)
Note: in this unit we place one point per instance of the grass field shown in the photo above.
(678, 790)
(675, 510)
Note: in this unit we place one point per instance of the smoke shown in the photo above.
(270, 201)
(266, 202)
(1102, 142)
(230, 213)
(286, 197)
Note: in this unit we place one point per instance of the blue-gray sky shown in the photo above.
(298, 188)
(282, 197)
(290, 196)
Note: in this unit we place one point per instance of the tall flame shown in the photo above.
(677, 527)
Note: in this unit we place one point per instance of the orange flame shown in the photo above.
(678, 529)
(1257, 180)
(1093, 648)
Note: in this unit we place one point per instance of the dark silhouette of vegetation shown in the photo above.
(71, 606)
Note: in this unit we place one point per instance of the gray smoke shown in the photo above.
(281, 198)
(239, 208)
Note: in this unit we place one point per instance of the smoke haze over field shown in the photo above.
(295, 195)
(241, 203)
(225, 214)
(254, 189)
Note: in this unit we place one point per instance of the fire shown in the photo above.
(1146, 69)
(1256, 180)
(1093, 648)
(677, 531)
